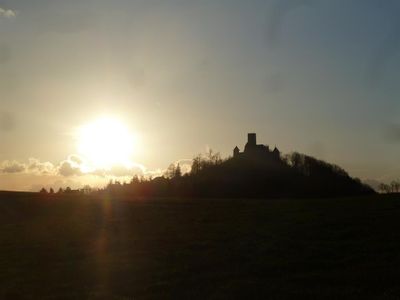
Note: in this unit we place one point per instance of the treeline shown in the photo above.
(85, 190)
(294, 175)
(393, 187)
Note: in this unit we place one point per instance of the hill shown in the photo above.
(255, 172)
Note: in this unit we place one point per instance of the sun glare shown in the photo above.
(106, 143)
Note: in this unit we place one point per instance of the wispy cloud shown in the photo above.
(73, 166)
(74, 172)
(7, 13)
(12, 167)
(33, 166)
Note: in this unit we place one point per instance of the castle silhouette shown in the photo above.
(252, 150)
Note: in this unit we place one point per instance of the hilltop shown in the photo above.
(255, 172)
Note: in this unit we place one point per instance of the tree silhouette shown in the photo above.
(178, 172)
(395, 186)
(258, 175)
(384, 188)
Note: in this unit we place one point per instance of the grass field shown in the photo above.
(80, 247)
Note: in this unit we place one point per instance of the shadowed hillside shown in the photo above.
(255, 172)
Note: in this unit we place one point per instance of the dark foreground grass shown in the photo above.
(77, 247)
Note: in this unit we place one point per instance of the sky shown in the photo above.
(315, 76)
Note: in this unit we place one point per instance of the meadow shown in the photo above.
(103, 247)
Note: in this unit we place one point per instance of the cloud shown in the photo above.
(77, 166)
(76, 159)
(34, 166)
(69, 168)
(120, 171)
(12, 167)
(7, 13)
(116, 171)
(73, 166)
(38, 167)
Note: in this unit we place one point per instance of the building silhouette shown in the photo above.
(254, 150)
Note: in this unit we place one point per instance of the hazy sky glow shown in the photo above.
(320, 77)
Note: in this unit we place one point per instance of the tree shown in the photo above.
(51, 191)
(170, 172)
(384, 188)
(60, 191)
(178, 172)
(43, 191)
(395, 186)
(196, 164)
(87, 189)
(214, 158)
(68, 190)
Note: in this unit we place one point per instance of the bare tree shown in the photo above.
(170, 172)
(385, 188)
(178, 172)
(87, 189)
(395, 186)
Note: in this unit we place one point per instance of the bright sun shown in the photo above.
(105, 143)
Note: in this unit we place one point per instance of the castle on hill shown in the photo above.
(252, 150)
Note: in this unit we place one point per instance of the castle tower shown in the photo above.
(251, 139)
(236, 151)
(276, 152)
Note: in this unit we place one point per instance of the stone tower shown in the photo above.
(251, 139)
(236, 152)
